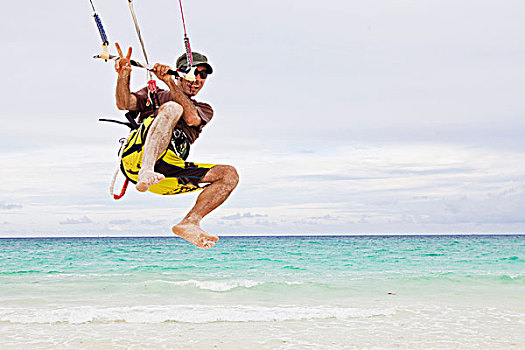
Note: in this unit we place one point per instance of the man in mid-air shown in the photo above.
(155, 153)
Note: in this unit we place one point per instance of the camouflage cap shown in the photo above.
(198, 60)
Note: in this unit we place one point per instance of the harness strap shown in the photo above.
(133, 125)
(115, 174)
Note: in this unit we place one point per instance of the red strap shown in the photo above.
(152, 86)
(123, 191)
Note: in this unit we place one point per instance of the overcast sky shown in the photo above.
(374, 116)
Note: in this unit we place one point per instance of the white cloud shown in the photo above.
(120, 222)
(71, 221)
(10, 206)
(153, 222)
(238, 216)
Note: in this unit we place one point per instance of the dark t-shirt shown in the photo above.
(204, 111)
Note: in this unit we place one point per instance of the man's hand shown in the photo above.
(124, 98)
(123, 65)
(161, 72)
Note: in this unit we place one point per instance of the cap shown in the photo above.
(198, 60)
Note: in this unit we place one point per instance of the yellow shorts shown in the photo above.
(181, 176)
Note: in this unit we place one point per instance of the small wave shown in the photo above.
(268, 259)
(216, 286)
(21, 272)
(294, 283)
(224, 286)
(519, 277)
(511, 258)
(511, 278)
(184, 314)
(463, 276)
(291, 267)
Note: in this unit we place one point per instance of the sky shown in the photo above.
(341, 117)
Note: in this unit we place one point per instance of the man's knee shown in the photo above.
(170, 110)
(228, 174)
(231, 176)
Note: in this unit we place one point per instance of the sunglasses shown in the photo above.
(202, 73)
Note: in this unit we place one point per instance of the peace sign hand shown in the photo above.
(123, 65)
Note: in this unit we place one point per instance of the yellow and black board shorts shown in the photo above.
(180, 176)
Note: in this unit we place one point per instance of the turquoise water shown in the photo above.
(351, 281)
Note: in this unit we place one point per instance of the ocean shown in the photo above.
(318, 292)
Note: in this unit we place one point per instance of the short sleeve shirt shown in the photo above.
(204, 111)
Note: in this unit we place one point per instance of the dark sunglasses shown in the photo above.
(203, 74)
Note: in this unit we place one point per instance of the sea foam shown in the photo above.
(184, 313)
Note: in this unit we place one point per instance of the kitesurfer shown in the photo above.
(155, 153)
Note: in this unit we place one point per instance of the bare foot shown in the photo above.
(148, 178)
(195, 235)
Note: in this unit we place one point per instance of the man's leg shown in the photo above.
(159, 136)
(223, 179)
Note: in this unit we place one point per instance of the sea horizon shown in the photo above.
(284, 235)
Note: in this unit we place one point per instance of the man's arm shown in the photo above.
(189, 114)
(125, 99)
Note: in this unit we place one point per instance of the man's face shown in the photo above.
(192, 88)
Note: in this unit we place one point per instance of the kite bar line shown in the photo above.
(102, 32)
(189, 56)
(137, 29)
(190, 75)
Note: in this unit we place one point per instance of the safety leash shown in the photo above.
(153, 96)
(115, 174)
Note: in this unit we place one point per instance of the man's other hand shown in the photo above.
(161, 72)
